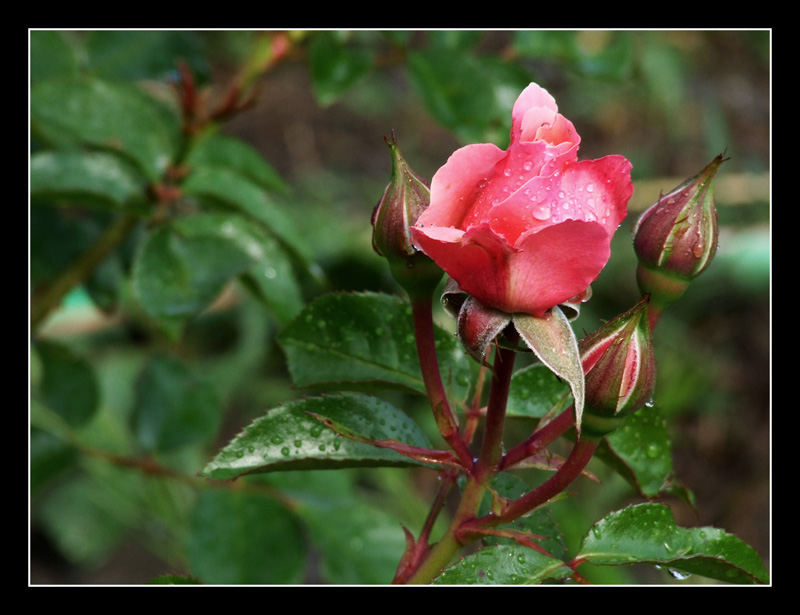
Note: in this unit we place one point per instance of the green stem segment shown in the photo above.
(422, 310)
(444, 550)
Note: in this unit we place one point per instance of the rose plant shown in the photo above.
(501, 408)
(521, 234)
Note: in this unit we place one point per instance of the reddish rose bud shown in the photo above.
(619, 366)
(403, 201)
(676, 238)
(529, 227)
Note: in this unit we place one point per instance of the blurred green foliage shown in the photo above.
(274, 202)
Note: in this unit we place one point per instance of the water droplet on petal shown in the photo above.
(542, 212)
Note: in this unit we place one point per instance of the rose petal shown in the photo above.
(527, 210)
(590, 190)
(477, 260)
(454, 184)
(555, 264)
(599, 190)
(539, 102)
(559, 133)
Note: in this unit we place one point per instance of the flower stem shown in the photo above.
(422, 310)
(572, 467)
(539, 439)
(444, 550)
(492, 447)
(487, 466)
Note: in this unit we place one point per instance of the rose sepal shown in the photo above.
(553, 341)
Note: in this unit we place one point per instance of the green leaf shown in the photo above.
(640, 450)
(504, 565)
(553, 341)
(176, 276)
(534, 391)
(358, 543)
(85, 518)
(539, 521)
(174, 407)
(144, 54)
(114, 116)
(271, 276)
(446, 81)
(51, 55)
(217, 150)
(469, 94)
(364, 338)
(240, 537)
(58, 237)
(289, 438)
(50, 456)
(646, 533)
(69, 386)
(548, 44)
(85, 178)
(237, 191)
(335, 66)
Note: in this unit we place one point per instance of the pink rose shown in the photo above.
(528, 228)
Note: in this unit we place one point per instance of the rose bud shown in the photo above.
(676, 238)
(619, 364)
(526, 228)
(404, 199)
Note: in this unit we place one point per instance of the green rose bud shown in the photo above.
(404, 199)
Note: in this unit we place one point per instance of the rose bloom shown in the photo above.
(529, 227)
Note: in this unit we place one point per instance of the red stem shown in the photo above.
(572, 467)
(539, 439)
(422, 310)
(491, 450)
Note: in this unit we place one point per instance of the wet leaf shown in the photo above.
(504, 565)
(641, 451)
(289, 438)
(534, 391)
(647, 534)
(365, 338)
